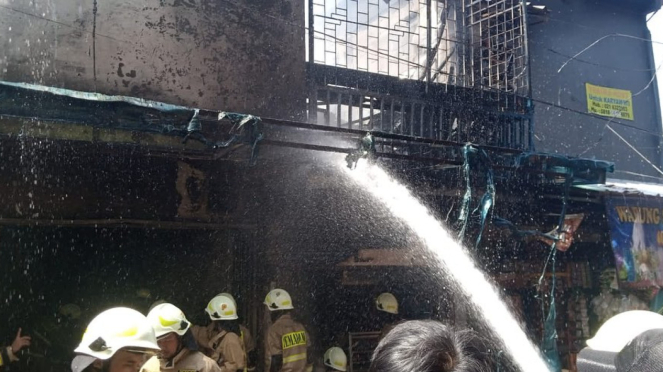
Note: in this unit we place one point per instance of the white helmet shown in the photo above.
(115, 329)
(387, 302)
(226, 294)
(222, 307)
(155, 304)
(167, 318)
(617, 331)
(278, 299)
(336, 359)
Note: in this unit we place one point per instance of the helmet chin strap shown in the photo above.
(105, 365)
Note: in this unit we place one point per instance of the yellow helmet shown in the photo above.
(387, 302)
(335, 358)
(278, 299)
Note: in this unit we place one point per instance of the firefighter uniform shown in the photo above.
(247, 339)
(289, 339)
(185, 360)
(226, 348)
(167, 321)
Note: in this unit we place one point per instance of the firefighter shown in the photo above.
(388, 305)
(9, 354)
(245, 336)
(335, 359)
(178, 347)
(287, 341)
(221, 339)
(117, 340)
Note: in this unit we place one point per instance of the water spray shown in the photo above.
(450, 254)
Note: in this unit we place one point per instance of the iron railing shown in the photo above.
(443, 69)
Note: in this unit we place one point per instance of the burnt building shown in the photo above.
(177, 149)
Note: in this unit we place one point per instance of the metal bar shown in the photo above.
(403, 118)
(313, 104)
(391, 117)
(421, 121)
(350, 111)
(382, 114)
(327, 107)
(338, 110)
(413, 109)
(431, 123)
(370, 121)
(393, 136)
(441, 131)
(311, 32)
(429, 62)
(495, 15)
(306, 146)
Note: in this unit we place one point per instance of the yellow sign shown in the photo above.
(614, 103)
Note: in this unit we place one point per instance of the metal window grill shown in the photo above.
(468, 43)
(451, 70)
(498, 45)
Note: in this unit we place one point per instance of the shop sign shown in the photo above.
(610, 102)
(636, 236)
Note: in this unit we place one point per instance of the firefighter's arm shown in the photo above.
(200, 335)
(273, 352)
(233, 354)
(309, 357)
(276, 363)
(211, 366)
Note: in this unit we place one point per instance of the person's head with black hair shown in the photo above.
(172, 330)
(431, 346)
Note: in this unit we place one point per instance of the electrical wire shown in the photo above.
(601, 39)
(634, 149)
(597, 117)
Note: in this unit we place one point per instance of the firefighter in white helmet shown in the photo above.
(178, 347)
(335, 359)
(117, 340)
(287, 341)
(221, 339)
(387, 304)
(245, 336)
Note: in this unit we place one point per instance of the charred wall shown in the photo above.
(610, 60)
(245, 56)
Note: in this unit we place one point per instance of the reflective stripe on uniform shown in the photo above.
(241, 337)
(293, 339)
(294, 358)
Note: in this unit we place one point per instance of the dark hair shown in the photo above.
(229, 326)
(431, 346)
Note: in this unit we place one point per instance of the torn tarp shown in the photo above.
(89, 96)
(127, 113)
